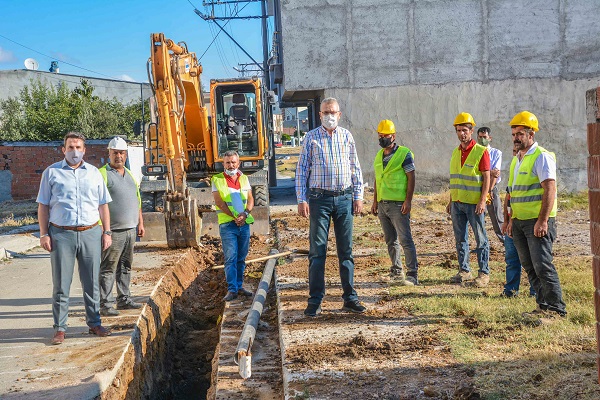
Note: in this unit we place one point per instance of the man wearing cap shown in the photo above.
(532, 184)
(328, 167)
(71, 200)
(394, 188)
(469, 185)
(126, 223)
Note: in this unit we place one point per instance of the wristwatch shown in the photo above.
(247, 212)
(108, 233)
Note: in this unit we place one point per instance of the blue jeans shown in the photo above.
(464, 215)
(236, 241)
(535, 254)
(513, 269)
(396, 231)
(324, 209)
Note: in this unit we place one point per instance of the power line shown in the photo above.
(56, 58)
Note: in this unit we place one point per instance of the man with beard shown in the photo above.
(469, 185)
(328, 166)
(532, 184)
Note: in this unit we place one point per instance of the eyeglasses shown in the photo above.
(330, 112)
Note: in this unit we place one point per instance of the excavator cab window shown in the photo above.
(236, 118)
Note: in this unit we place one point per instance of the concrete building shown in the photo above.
(420, 63)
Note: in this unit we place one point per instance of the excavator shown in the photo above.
(184, 146)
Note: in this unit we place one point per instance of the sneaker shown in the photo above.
(129, 305)
(230, 296)
(108, 312)
(412, 279)
(245, 292)
(354, 306)
(509, 294)
(482, 280)
(312, 310)
(59, 337)
(399, 279)
(462, 276)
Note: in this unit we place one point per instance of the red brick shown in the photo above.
(594, 172)
(597, 304)
(593, 138)
(594, 196)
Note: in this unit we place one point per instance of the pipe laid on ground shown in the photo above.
(285, 253)
(243, 353)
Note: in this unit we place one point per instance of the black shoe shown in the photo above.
(129, 305)
(245, 292)
(354, 306)
(108, 312)
(230, 296)
(312, 310)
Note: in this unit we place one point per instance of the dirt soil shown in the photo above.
(383, 354)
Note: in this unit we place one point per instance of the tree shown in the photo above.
(44, 112)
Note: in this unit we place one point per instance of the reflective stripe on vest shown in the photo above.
(466, 180)
(526, 193)
(221, 185)
(391, 181)
(105, 177)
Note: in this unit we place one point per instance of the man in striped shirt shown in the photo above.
(329, 187)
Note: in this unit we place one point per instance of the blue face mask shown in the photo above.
(73, 157)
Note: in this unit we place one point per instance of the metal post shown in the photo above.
(243, 353)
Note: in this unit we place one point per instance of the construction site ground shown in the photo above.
(436, 340)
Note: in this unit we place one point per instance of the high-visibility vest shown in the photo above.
(221, 185)
(105, 177)
(391, 181)
(466, 180)
(526, 192)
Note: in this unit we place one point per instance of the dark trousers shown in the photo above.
(324, 209)
(535, 254)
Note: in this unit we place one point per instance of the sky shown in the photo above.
(111, 39)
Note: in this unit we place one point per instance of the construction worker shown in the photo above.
(233, 197)
(532, 183)
(394, 187)
(126, 223)
(469, 185)
(328, 167)
(494, 203)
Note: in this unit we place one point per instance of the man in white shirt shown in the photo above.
(494, 206)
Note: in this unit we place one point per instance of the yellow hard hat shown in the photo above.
(464, 118)
(525, 118)
(386, 127)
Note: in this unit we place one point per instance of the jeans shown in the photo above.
(535, 254)
(496, 213)
(396, 231)
(324, 209)
(116, 265)
(86, 248)
(464, 215)
(236, 241)
(513, 269)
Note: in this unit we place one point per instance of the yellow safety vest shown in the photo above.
(526, 192)
(391, 181)
(466, 180)
(221, 185)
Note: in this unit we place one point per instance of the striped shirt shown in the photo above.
(328, 162)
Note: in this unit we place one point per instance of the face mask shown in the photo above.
(385, 141)
(232, 172)
(74, 157)
(483, 141)
(329, 121)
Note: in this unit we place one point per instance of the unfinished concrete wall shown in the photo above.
(419, 63)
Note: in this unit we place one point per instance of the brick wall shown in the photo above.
(593, 140)
(27, 161)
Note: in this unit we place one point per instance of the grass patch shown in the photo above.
(573, 201)
(11, 222)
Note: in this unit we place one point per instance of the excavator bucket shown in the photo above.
(183, 229)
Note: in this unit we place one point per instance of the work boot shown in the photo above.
(482, 280)
(461, 277)
(312, 310)
(129, 305)
(399, 279)
(230, 296)
(412, 278)
(354, 306)
(245, 292)
(108, 312)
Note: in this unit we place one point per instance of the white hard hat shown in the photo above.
(117, 143)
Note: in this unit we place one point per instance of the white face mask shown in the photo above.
(74, 157)
(329, 121)
(232, 172)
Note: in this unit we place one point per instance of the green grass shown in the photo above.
(573, 201)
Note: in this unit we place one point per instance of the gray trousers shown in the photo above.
(116, 265)
(396, 231)
(86, 248)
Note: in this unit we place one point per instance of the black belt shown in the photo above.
(390, 201)
(332, 192)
